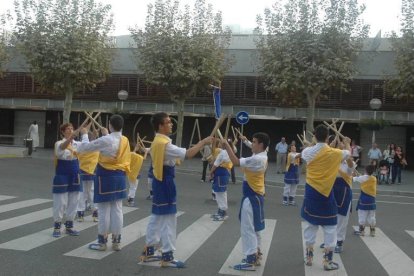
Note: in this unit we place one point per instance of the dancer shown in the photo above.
(162, 226)
(319, 206)
(110, 190)
(252, 204)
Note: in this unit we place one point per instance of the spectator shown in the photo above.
(399, 163)
(388, 155)
(206, 156)
(355, 152)
(281, 153)
(374, 155)
(232, 172)
(33, 134)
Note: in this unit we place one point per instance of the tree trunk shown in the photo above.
(68, 105)
(311, 98)
(180, 121)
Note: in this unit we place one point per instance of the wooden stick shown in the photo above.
(198, 130)
(93, 120)
(219, 134)
(342, 124)
(238, 131)
(334, 130)
(226, 134)
(218, 124)
(300, 140)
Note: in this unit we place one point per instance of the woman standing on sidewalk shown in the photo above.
(399, 162)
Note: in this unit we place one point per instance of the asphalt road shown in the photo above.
(391, 252)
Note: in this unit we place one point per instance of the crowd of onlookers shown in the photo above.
(388, 163)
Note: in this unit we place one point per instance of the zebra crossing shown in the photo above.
(191, 239)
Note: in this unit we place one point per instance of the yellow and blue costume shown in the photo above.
(111, 173)
(319, 205)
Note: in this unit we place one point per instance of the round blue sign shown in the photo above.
(242, 117)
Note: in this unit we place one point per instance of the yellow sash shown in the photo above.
(322, 170)
(121, 161)
(255, 180)
(157, 155)
(370, 186)
(227, 165)
(136, 164)
(70, 148)
(346, 177)
(88, 161)
(289, 160)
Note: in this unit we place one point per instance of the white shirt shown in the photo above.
(66, 154)
(172, 153)
(292, 157)
(361, 178)
(346, 169)
(309, 153)
(222, 157)
(256, 162)
(107, 145)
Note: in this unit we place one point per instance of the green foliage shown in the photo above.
(65, 42)
(308, 46)
(4, 57)
(182, 51)
(374, 124)
(402, 86)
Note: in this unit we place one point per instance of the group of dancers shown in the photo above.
(330, 172)
(108, 164)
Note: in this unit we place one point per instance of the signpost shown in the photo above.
(242, 117)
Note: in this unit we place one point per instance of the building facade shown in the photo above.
(21, 100)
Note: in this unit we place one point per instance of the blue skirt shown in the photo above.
(292, 175)
(318, 209)
(164, 200)
(366, 202)
(84, 176)
(66, 177)
(343, 195)
(110, 185)
(221, 179)
(257, 202)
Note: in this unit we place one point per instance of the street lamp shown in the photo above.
(122, 96)
(375, 104)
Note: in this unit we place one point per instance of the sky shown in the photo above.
(241, 15)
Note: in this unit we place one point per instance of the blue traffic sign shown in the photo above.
(242, 117)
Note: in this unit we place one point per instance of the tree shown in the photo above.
(65, 43)
(181, 52)
(402, 85)
(4, 57)
(307, 47)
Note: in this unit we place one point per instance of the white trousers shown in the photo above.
(290, 190)
(110, 217)
(132, 188)
(65, 204)
(162, 228)
(149, 184)
(329, 235)
(367, 217)
(221, 199)
(342, 225)
(86, 195)
(251, 240)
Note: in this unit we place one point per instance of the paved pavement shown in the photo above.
(194, 166)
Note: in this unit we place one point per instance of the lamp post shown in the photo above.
(122, 96)
(375, 104)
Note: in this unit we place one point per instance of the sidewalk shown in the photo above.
(194, 166)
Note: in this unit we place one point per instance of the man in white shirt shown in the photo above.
(281, 154)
